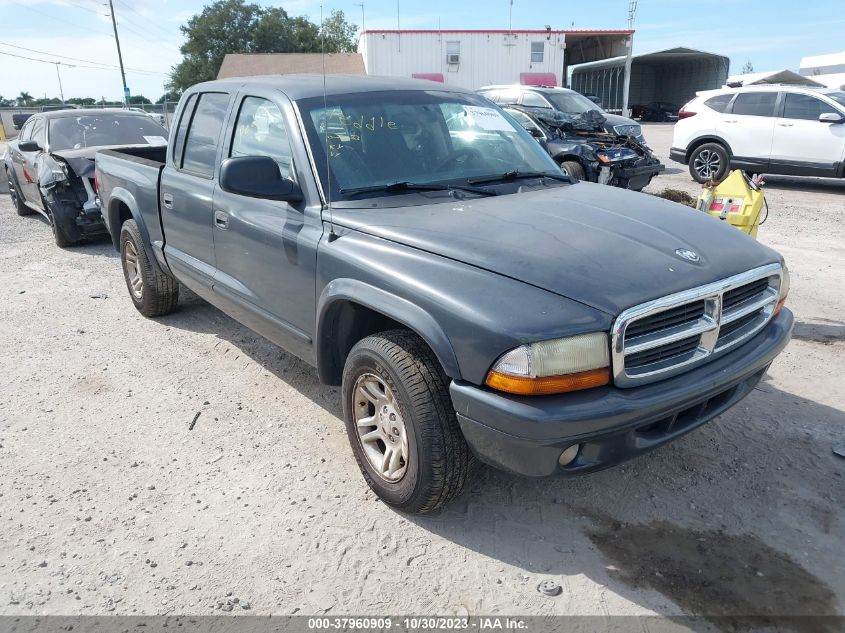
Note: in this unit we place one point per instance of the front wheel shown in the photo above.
(401, 423)
(709, 162)
(573, 168)
(153, 293)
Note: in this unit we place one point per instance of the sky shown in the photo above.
(772, 34)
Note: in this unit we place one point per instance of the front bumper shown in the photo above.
(526, 435)
(678, 155)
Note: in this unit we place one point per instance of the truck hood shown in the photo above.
(605, 247)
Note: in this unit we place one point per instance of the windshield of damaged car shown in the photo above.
(375, 139)
(79, 132)
(571, 102)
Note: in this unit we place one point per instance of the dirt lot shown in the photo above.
(109, 504)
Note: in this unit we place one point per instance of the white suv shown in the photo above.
(776, 129)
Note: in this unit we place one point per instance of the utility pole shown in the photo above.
(119, 56)
(510, 17)
(59, 75)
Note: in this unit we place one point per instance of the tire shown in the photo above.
(573, 169)
(408, 388)
(709, 161)
(15, 194)
(153, 293)
(60, 236)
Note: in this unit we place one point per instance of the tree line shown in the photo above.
(26, 100)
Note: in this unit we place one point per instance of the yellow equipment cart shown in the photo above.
(737, 200)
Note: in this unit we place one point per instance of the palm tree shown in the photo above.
(24, 98)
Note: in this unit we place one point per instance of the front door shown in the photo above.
(802, 144)
(187, 189)
(266, 249)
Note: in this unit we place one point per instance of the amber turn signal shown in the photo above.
(525, 386)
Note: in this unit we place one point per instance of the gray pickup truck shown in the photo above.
(418, 247)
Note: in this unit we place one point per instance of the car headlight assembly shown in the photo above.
(556, 366)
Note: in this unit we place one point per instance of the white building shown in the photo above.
(826, 69)
(471, 59)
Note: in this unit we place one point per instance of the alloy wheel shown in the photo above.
(381, 428)
(707, 164)
(133, 270)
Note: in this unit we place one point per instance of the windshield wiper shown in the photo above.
(415, 186)
(515, 174)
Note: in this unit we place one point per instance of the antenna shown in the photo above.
(328, 187)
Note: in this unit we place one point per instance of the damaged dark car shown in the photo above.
(50, 166)
(583, 148)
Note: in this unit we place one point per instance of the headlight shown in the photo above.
(784, 290)
(628, 129)
(565, 364)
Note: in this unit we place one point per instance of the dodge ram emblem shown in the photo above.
(685, 253)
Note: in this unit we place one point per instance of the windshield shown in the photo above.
(78, 132)
(571, 102)
(839, 97)
(375, 139)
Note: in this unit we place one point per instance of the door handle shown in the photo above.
(167, 200)
(221, 220)
(730, 120)
(786, 124)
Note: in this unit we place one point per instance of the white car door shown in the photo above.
(748, 128)
(802, 144)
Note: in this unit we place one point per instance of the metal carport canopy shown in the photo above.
(672, 75)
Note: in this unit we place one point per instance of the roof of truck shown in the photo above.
(305, 86)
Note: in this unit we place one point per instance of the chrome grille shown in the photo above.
(669, 335)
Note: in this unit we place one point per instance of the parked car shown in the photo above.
(791, 130)
(595, 99)
(659, 111)
(470, 300)
(19, 118)
(561, 100)
(582, 148)
(50, 166)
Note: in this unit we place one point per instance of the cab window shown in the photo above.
(39, 133)
(182, 130)
(204, 134)
(261, 131)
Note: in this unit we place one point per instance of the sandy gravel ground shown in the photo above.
(109, 504)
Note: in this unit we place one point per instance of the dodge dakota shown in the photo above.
(420, 249)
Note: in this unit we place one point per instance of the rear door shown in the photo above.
(266, 250)
(748, 128)
(187, 189)
(802, 144)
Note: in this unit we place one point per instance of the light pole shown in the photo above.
(363, 24)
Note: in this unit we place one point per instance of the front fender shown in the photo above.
(397, 308)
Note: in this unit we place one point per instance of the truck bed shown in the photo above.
(128, 181)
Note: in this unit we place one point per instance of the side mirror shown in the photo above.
(257, 177)
(29, 146)
(831, 117)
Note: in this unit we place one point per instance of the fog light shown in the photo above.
(568, 456)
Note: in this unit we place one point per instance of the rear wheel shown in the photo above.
(401, 424)
(15, 195)
(573, 168)
(153, 293)
(709, 162)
